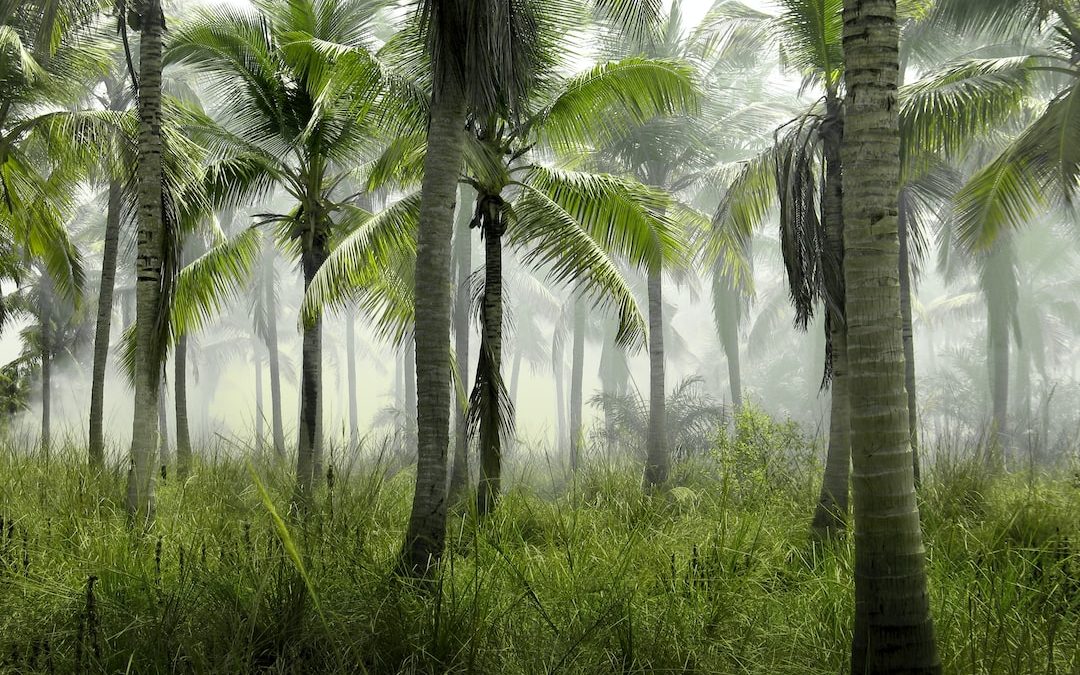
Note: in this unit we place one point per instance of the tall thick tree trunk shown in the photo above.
(103, 328)
(489, 391)
(307, 458)
(577, 366)
(183, 429)
(272, 356)
(894, 632)
(658, 460)
(45, 311)
(149, 269)
(350, 364)
(1000, 291)
(909, 335)
(830, 516)
(426, 535)
(459, 477)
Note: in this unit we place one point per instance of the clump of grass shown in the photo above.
(717, 575)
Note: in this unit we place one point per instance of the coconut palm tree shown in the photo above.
(482, 56)
(299, 93)
(568, 224)
(939, 116)
(894, 632)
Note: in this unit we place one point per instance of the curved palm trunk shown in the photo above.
(426, 534)
(894, 632)
(103, 328)
(577, 366)
(307, 457)
(459, 477)
(272, 356)
(45, 311)
(909, 337)
(830, 516)
(489, 385)
(148, 269)
(409, 382)
(657, 462)
(729, 340)
(183, 429)
(350, 364)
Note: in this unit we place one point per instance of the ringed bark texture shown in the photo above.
(426, 534)
(894, 632)
(148, 270)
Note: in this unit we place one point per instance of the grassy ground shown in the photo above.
(589, 576)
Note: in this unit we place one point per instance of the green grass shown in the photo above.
(590, 576)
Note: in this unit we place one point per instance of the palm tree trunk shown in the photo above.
(909, 336)
(577, 366)
(260, 430)
(426, 534)
(894, 632)
(489, 384)
(350, 364)
(515, 375)
(148, 269)
(307, 457)
(998, 349)
(409, 381)
(272, 352)
(830, 516)
(459, 477)
(657, 462)
(45, 319)
(103, 328)
(163, 427)
(183, 430)
(559, 367)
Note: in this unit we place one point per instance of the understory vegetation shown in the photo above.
(582, 573)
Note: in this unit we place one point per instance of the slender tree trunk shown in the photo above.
(426, 535)
(149, 269)
(998, 349)
(260, 431)
(459, 478)
(657, 462)
(163, 427)
(894, 632)
(103, 327)
(45, 311)
(489, 384)
(577, 366)
(272, 355)
(830, 516)
(307, 458)
(350, 364)
(728, 313)
(183, 429)
(515, 375)
(409, 380)
(559, 366)
(909, 335)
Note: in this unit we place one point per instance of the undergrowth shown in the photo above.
(716, 576)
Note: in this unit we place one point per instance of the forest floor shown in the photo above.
(591, 575)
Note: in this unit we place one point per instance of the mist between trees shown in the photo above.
(426, 304)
